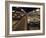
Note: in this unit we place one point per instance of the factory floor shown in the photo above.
(22, 25)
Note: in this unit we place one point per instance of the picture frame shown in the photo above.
(8, 18)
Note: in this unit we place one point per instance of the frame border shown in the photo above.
(7, 19)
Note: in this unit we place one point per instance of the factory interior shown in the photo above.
(25, 18)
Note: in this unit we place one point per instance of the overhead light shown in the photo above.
(13, 11)
(22, 10)
(37, 9)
